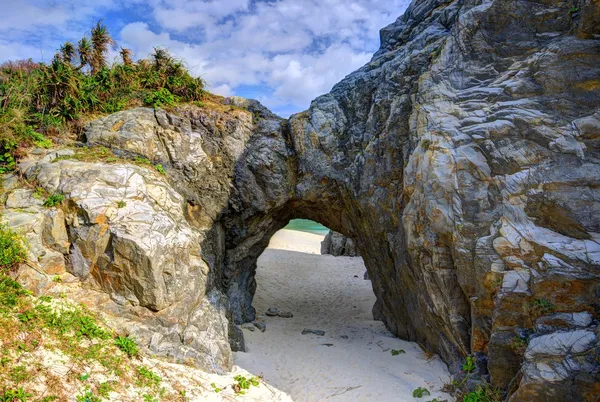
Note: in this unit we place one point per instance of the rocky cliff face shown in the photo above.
(463, 160)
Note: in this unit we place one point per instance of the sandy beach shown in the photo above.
(353, 361)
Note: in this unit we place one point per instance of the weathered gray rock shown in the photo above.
(248, 326)
(144, 253)
(272, 312)
(285, 314)
(337, 245)
(260, 325)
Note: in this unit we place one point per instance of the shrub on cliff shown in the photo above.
(12, 249)
(39, 101)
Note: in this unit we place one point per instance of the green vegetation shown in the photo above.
(469, 365)
(54, 200)
(396, 352)
(30, 324)
(161, 98)
(88, 396)
(12, 248)
(483, 394)
(242, 384)
(518, 344)
(54, 326)
(540, 307)
(127, 345)
(12, 395)
(215, 388)
(121, 204)
(40, 102)
(159, 168)
(426, 144)
(148, 378)
(39, 193)
(420, 392)
(574, 10)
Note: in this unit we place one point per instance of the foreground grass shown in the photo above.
(52, 347)
(48, 345)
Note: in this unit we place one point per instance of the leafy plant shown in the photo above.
(127, 345)
(54, 200)
(12, 248)
(161, 97)
(142, 160)
(426, 143)
(159, 168)
(215, 388)
(88, 396)
(469, 365)
(105, 389)
(420, 392)
(396, 352)
(12, 395)
(148, 378)
(485, 393)
(541, 307)
(39, 193)
(574, 10)
(121, 204)
(243, 384)
(86, 326)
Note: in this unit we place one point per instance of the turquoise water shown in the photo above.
(306, 225)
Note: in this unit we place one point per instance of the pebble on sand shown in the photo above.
(272, 312)
(313, 331)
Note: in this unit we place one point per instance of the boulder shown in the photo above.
(337, 245)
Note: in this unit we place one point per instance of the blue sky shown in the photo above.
(281, 52)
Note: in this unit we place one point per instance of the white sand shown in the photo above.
(323, 293)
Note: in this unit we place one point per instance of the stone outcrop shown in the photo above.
(464, 159)
(337, 245)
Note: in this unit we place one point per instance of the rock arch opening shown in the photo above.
(314, 335)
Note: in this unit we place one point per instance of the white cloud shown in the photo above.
(36, 28)
(223, 90)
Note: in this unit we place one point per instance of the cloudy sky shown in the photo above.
(282, 52)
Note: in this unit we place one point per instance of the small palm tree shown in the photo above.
(161, 58)
(84, 48)
(101, 40)
(67, 52)
(126, 56)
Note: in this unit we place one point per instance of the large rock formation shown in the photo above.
(463, 160)
(337, 245)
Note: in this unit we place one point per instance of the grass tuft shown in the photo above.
(12, 249)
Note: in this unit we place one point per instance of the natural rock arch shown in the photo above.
(463, 160)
